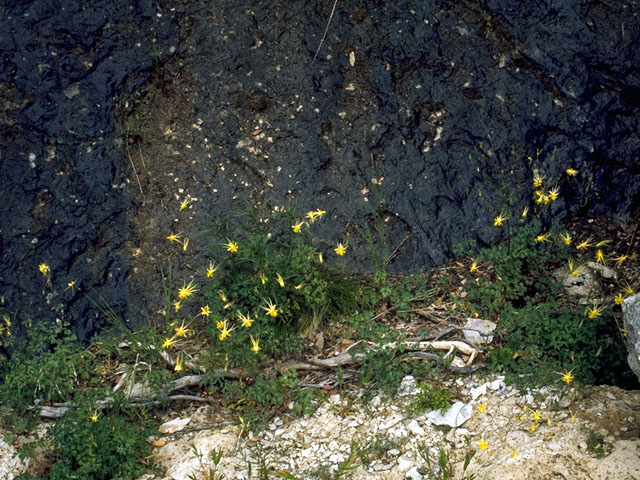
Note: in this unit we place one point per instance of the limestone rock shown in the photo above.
(477, 331)
(631, 323)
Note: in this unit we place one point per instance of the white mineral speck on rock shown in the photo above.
(454, 417)
(413, 474)
(414, 427)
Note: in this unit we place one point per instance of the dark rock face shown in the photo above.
(63, 64)
(444, 103)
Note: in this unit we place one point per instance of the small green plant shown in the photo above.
(441, 467)
(204, 471)
(368, 450)
(595, 442)
(430, 398)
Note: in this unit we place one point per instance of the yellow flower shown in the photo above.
(185, 203)
(280, 280)
(212, 269)
(178, 365)
(70, 285)
(482, 444)
(572, 172)
(182, 330)
(600, 256)
(174, 237)
(177, 304)
(340, 249)
(574, 272)
(222, 296)
(537, 416)
(594, 311)
(44, 269)
(618, 300)
(553, 194)
(514, 453)
(319, 213)
(573, 416)
(482, 407)
(271, 309)
(497, 222)
(299, 286)
(537, 179)
(185, 244)
(187, 290)
(567, 377)
(169, 342)
(225, 331)
(520, 417)
(566, 238)
(619, 260)
(297, 227)
(231, 246)
(205, 311)
(474, 266)
(320, 260)
(584, 244)
(525, 212)
(533, 427)
(542, 238)
(255, 345)
(602, 243)
(219, 324)
(263, 278)
(246, 320)
(311, 215)
(94, 417)
(628, 290)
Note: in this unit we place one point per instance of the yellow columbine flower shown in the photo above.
(572, 417)
(482, 444)
(620, 260)
(187, 290)
(299, 286)
(174, 237)
(618, 300)
(628, 290)
(497, 222)
(169, 342)
(594, 311)
(320, 260)
(525, 212)
(185, 203)
(319, 213)
(280, 280)
(222, 296)
(212, 269)
(474, 266)
(95, 416)
(553, 194)
(182, 330)
(271, 309)
(232, 247)
(225, 331)
(263, 278)
(297, 227)
(205, 311)
(567, 377)
(255, 345)
(574, 272)
(44, 269)
(537, 416)
(482, 407)
(542, 238)
(537, 179)
(584, 244)
(219, 324)
(177, 304)
(178, 365)
(600, 256)
(246, 320)
(514, 453)
(566, 238)
(311, 215)
(70, 285)
(340, 249)
(533, 427)
(572, 172)
(185, 244)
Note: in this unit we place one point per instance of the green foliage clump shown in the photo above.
(430, 398)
